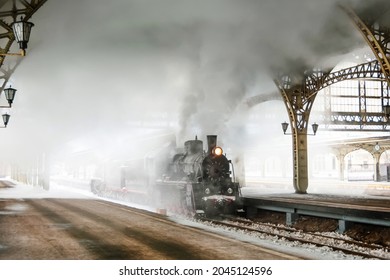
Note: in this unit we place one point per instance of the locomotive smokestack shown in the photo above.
(211, 143)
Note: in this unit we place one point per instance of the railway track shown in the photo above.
(336, 243)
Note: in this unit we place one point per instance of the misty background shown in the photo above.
(109, 74)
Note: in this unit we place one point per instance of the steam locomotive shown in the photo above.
(190, 182)
(200, 182)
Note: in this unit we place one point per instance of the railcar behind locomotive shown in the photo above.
(201, 182)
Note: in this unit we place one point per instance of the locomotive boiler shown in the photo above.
(200, 182)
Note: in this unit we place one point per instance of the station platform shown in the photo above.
(361, 202)
(325, 187)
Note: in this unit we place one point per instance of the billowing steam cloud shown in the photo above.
(99, 69)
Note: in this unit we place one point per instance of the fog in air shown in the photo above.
(110, 77)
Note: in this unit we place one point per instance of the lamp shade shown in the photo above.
(10, 94)
(284, 127)
(22, 31)
(315, 127)
(6, 119)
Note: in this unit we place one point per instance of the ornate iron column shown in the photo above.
(340, 155)
(376, 153)
(377, 176)
(298, 98)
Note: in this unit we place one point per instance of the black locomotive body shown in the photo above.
(200, 181)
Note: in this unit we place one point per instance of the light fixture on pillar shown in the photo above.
(22, 30)
(9, 95)
(314, 126)
(285, 126)
(5, 120)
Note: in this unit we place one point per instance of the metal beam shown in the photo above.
(376, 36)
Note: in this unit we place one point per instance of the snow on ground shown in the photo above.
(368, 189)
(22, 191)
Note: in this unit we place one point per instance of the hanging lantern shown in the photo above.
(10, 95)
(6, 119)
(22, 31)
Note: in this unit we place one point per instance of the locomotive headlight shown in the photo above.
(229, 190)
(207, 191)
(217, 151)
